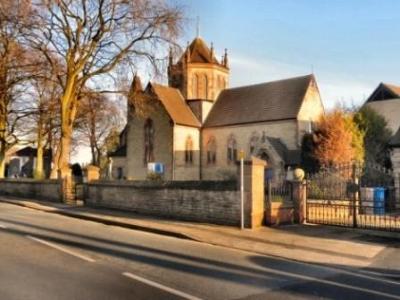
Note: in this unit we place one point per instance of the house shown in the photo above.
(196, 125)
(385, 100)
(21, 163)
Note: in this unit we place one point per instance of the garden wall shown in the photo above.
(29, 188)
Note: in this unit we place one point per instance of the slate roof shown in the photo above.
(199, 52)
(31, 152)
(175, 105)
(395, 140)
(383, 92)
(270, 101)
(291, 157)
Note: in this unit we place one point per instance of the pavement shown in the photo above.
(47, 256)
(305, 243)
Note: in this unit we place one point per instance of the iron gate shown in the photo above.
(354, 195)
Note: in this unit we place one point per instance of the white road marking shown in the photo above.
(160, 286)
(381, 274)
(73, 253)
(3, 226)
(333, 283)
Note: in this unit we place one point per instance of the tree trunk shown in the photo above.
(68, 113)
(2, 163)
(38, 173)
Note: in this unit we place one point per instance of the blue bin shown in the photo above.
(379, 200)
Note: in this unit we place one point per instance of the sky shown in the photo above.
(350, 45)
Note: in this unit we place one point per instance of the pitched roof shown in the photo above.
(269, 101)
(389, 109)
(395, 140)
(291, 157)
(30, 151)
(384, 91)
(199, 52)
(175, 105)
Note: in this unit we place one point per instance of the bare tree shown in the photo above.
(45, 94)
(97, 118)
(17, 66)
(88, 39)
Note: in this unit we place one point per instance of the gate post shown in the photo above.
(299, 195)
(355, 193)
(253, 192)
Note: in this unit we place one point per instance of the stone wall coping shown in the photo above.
(184, 185)
(30, 180)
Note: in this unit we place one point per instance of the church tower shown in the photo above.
(199, 76)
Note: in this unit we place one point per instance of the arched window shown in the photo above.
(211, 151)
(148, 141)
(189, 150)
(195, 86)
(232, 149)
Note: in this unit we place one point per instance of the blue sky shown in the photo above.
(350, 45)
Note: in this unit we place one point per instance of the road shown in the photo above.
(48, 256)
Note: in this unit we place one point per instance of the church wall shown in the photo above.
(186, 170)
(311, 110)
(163, 137)
(223, 169)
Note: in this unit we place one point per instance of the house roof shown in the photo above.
(30, 151)
(199, 52)
(395, 140)
(384, 91)
(270, 101)
(389, 109)
(175, 105)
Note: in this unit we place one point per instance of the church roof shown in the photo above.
(175, 105)
(395, 140)
(270, 101)
(199, 52)
(385, 91)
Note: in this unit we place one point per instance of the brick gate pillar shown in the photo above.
(253, 192)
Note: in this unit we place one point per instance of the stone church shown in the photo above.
(197, 125)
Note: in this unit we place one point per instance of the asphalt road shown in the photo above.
(48, 256)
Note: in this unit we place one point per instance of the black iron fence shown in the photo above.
(354, 195)
(278, 191)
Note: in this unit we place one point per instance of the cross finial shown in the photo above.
(198, 27)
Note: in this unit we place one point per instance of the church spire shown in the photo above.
(225, 61)
(136, 85)
(198, 27)
(212, 51)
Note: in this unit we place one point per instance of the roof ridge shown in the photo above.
(268, 82)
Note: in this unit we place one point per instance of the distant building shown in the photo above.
(385, 100)
(197, 124)
(395, 153)
(21, 163)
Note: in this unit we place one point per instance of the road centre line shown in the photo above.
(62, 249)
(160, 286)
